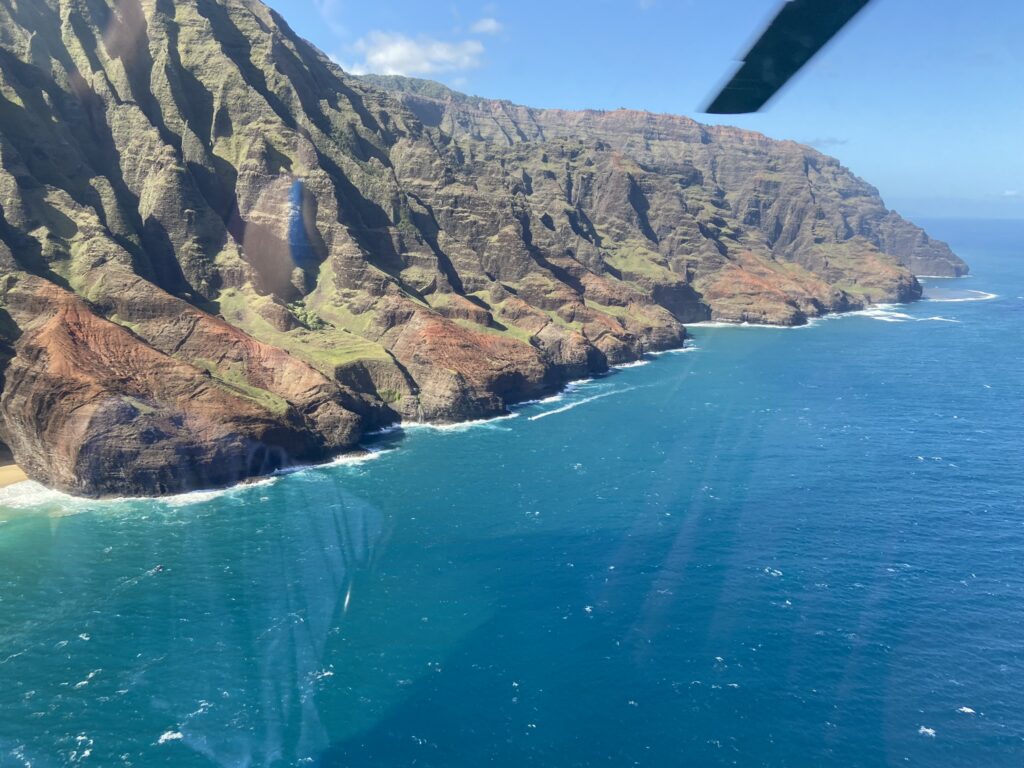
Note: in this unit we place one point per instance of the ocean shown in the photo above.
(777, 547)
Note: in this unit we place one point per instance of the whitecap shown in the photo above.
(349, 459)
(726, 324)
(193, 497)
(88, 679)
(552, 399)
(714, 324)
(459, 426)
(390, 428)
(167, 736)
(578, 403)
(29, 493)
(679, 351)
(539, 401)
(981, 296)
(885, 312)
(966, 711)
(925, 731)
(634, 364)
(201, 497)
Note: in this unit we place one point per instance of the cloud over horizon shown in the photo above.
(392, 53)
(387, 52)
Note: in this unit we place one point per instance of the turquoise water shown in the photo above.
(782, 548)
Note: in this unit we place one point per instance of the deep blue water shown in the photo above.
(782, 548)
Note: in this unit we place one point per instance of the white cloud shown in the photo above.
(486, 26)
(1012, 193)
(392, 53)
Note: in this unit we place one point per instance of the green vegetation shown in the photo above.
(620, 313)
(307, 316)
(126, 324)
(326, 349)
(561, 322)
(633, 257)
(232, 376)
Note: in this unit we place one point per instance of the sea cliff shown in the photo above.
(221, 255)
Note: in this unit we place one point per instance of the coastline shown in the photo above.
(11, 474)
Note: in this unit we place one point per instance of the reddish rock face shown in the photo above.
(465, 373)
(96, 411)
(241, 258)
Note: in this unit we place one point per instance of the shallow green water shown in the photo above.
(783, 547)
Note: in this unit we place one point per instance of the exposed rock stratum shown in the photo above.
(221, 255)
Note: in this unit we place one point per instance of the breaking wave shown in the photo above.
(28, 494)
(979, 296)
(889, 313)
(811, 322)
(459, 426)
(578, 403)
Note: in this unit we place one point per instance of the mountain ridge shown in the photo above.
(221, 255)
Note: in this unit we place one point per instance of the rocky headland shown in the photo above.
(221, 255)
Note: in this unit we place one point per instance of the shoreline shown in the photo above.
(359, 454)
(11, 474)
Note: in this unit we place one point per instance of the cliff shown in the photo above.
(221, 255)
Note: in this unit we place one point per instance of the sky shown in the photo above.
(922, 98)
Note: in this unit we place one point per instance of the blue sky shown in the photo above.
(923, 98)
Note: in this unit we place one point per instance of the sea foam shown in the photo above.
(459, 426)
(28, 494)
(540, 401)
(887, 313)
(578, 403)
(680, 351)
(981, 296)
(811, 322)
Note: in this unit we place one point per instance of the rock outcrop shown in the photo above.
(221, 255)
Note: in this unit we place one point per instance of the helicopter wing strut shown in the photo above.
(799, 30)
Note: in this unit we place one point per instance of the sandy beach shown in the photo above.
(11, 474)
